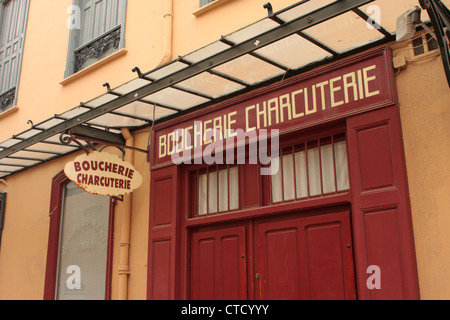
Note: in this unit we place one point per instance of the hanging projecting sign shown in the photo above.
(103, 174)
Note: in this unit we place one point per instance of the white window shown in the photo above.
(218, 189)
(314, 168)
(99, 32)
(13, 18)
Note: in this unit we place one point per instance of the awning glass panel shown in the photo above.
(175, 98)
(103, 99)
(144, 110)
(211, 85)
(51, 148)
(293, 52)
(18, 162)
(49, 123)
(251, 31)
(131, 86)
(303, 9)
(206, 52)
(9, 168)
(9, 143)
(167, 70)
(249, 69)
(26, 154)
(344, 32)
(73, 113)
(116, 121)
(28, 134)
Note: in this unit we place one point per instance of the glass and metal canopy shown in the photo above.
(287, 42)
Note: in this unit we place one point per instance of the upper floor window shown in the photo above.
(205, 2)
(13, 18)
(97, 30)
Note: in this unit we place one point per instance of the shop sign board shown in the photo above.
(103, 174)
(356, 85)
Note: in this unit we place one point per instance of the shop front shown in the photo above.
(297, 190)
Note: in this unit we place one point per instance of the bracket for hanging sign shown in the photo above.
(92, 136)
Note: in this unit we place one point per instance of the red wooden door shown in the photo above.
(304, 257)
(219, 263)
(381, 211)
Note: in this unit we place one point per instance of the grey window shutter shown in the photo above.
(205, 2)
(13, 16)
(98, 19)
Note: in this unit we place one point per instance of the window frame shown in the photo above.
(193, 175)
(304, 145)
(203, 3)
(262, 202)
(74, 38)
(8, 97)
(56, 208)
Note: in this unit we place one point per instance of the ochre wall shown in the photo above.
(425, 113)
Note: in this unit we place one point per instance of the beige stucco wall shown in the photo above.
(425, 113)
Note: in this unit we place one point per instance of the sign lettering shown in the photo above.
(103, 174)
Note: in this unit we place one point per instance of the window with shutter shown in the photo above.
(13, 17)
(99, 33)
(205, 2)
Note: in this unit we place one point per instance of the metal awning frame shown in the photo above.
(440, 19)
(247, 47)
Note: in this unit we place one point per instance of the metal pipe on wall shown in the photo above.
(124, 254)
(168, 32)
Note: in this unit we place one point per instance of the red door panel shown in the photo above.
(219, 263)
(304, 257)
(325, 261)
(281, 263)
(381, 213)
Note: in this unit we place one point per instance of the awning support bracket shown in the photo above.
(440, 19)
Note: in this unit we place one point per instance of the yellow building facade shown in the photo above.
(155, 33)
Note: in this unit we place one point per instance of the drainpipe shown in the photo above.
(124, 267)
(168, 32)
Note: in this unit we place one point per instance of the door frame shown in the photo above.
(56, 207)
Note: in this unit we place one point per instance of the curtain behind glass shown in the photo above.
(315, 173)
